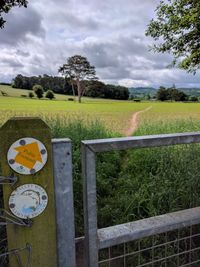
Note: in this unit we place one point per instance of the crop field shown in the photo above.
(116, 116)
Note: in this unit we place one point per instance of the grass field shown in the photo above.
(115, 115)
(16, 92)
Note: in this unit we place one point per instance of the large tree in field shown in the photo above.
(176, 29)
(79, 70)
(6, 5)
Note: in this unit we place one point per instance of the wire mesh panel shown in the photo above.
(174, 248)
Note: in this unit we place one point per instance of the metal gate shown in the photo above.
(121, 237)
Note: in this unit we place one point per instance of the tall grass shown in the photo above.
(156, 180)
(77, 131)
(152, 182)
(163, 126)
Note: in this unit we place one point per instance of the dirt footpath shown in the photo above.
(135, 122)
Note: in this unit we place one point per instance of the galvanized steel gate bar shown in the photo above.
(96, 239)
(62, 160)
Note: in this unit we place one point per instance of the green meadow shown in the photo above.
(114, 115)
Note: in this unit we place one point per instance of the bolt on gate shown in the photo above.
(97, 239)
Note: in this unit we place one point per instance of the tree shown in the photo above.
(96, 89)
(193, 98)
(177, 25)
(162, 94)
(31, 95)
(50, 94)
(6, 5)
(78, 69)
(176, 95)
(38, 90)
(171, 94)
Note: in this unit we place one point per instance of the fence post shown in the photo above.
(90, 207)
(33, 194)
(62, 160)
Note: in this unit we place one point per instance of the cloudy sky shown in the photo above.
(110, 33)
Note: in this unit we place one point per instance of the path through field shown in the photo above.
(135, 122)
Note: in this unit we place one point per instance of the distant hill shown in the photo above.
(141, 92)
(191, 91)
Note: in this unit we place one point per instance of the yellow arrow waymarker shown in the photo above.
(28, 155)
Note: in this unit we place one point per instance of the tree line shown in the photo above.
(57, 84)
(173, 94)
(63, 85)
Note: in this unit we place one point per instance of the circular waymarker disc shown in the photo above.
(27, 156)
(28, 201)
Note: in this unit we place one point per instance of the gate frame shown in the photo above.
(101, 238)
(63, 182)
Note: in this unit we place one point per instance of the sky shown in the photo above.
(110, 33)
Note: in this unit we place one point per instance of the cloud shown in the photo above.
(111, 34)
(20, 24)
(10, 62)
(134, 83)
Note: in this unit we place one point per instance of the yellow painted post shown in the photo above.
(42, 234)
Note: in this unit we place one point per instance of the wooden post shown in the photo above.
(42, 234)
